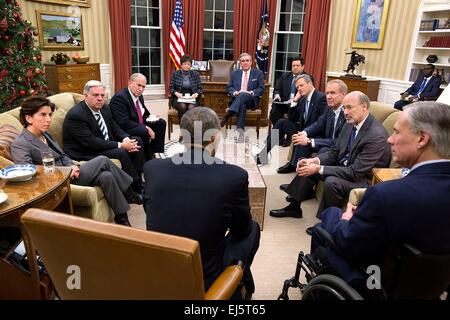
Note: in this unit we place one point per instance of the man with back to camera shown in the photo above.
(306, 107)
(246, 86)
(197, 196)
(132, 116)
(320, 135)
(426, 85)
(412, 210)
(348, 164)
(89, 130)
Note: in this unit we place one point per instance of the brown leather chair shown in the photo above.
(118, 262)
(220, 70)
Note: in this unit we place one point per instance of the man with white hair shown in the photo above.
(89, 130)
(412, 210)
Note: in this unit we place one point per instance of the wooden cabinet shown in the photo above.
(369, 87)
(71, 77)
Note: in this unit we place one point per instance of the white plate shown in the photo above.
(152, 118)
(18, 172)
(3, 196)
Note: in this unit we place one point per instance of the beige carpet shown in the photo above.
(281, 239)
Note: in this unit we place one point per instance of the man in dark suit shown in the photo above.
(306, 107)
(129, 112)
(198, 196)
(320, 135)
(285, 90)
(412, 210)
(426, 86)
(348, 164)
(89, 130)
(246, 86)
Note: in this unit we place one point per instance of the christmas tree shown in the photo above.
(21, 73)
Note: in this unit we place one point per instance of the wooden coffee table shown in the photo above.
(234, 153)
(45, 191)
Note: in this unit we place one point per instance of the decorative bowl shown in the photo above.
(18, 172)
(81, 59)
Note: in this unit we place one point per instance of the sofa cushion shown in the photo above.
(388, 124)
(380, 110)
(8, 134)
(57, 122)
(63, 100)
(8, 118)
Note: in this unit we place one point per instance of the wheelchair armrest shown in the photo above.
(325, 236)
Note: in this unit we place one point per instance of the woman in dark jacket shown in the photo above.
(185, 84)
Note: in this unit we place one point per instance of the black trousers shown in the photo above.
(278, 111)
(156, 145)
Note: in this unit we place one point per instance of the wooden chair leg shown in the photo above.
(258, 125)
(170, 125)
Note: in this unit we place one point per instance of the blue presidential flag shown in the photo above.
(262, 43)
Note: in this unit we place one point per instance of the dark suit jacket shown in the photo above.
(322, 129)
(82, 137)
(255, 83)
(283, 86)
(176, 82)
(198, 201)
(125, 115)
(369, 150)
(317, 107)
(395, 212)
(430, 90)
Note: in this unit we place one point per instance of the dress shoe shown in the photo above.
(133, 197)
(122, 218)
(289, 199)
(261, 160)
(283, 213)
(287, 168)
(309, 230)
(241, 138)
(286, 143)
(284, 187)
(225, 119)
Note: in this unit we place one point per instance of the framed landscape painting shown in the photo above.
(80, 3)
(58, 30)
(370, 24)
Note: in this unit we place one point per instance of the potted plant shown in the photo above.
(60, 58)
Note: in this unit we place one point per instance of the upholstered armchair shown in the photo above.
(87, 201)
(122, 262)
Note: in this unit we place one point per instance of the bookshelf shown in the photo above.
(431, 38)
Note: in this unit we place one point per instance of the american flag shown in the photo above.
(177, 41)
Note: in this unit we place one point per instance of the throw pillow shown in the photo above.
(7, 135)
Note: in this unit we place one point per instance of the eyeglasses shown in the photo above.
(245, 60)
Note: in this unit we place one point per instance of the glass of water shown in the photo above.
(48, 161)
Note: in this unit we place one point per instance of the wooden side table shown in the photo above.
(385, 174)
(369, 87)
(71, 77)
(45, 191)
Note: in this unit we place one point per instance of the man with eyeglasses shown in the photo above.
(246, 86)
(361, 146)
(426, 87)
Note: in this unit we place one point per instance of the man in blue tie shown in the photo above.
(426, 87)
(348, 164)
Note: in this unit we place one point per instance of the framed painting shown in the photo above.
(370, 24)
(59, 31)
(80, 3)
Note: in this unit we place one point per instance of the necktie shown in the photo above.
(102, 126)
(245, 82)
(422, 86)
(351, 140)
(336, 118)
(139, 112)
(293, 87)
(305, 114)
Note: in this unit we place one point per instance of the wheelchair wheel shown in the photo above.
(329, 287)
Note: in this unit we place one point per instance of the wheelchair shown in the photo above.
(406, 274)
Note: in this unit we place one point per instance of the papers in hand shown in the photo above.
(186, 100)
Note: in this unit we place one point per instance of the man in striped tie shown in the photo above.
(89, 130)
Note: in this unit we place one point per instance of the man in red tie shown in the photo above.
(133, 117)
(246, 86)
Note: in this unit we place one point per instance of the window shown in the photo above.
(146, 39)
(288, 35)
(218, 34)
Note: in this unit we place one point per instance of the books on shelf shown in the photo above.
(439, 42)
(429, 25)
